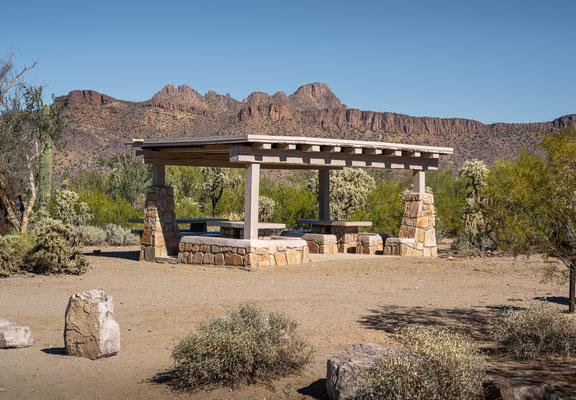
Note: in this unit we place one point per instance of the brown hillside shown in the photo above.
(98, 124)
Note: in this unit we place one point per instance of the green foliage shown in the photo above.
(384, 206)
(13, 251)
(57, 249)
(431, 363)
(293, 203)
(127, 179)
(107, 210)
(449, 199)
(66, 207)
(119, 236)
(538, 330)
(248, 346)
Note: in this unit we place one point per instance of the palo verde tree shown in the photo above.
(532, 202)
(26, 130)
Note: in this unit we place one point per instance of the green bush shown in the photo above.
(537, 330)
(13, 251)
(248, 346)
(107, 210)
(119, 236)
(91, 235)
(57, 249)
(430, 363)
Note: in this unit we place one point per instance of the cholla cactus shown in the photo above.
(266, 208)
(68, 209)
(475, 173)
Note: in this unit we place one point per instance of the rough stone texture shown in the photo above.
(91, 330)
(341, 367)
(369, 243)
(161, 235)
(321, 243)
(346, 236)
(510, 390)
(418, 223)
(13, 335)
(243, 257)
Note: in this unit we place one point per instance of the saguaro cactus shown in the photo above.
(45, 175)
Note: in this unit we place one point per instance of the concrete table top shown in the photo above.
(182, 220)
(331, 222)
(240, 225)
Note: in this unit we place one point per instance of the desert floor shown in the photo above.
(338, 302)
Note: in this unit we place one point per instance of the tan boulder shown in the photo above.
(91, 330)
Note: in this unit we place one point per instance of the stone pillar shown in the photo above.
(161, 235)
(418, 224)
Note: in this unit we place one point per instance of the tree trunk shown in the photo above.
(572, 283)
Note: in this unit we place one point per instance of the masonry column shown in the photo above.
(161, 235)
(324, 193)
(251, 198)
(419, 219)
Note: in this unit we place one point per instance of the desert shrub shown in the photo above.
(536, 330)
(248, 346)
(13, 250)
(430, 363)
(91, 235)
(119, 236)
(57, 249)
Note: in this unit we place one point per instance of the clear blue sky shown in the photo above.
(508, 61)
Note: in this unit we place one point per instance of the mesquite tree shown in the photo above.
(532, 202)
(26, 130)
(216, 180)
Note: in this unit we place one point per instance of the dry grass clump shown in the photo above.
(536, 330)
(431, 363)
(13, 251)
(248, 346)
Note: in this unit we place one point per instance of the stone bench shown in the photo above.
(401, 247)
(321, 243)
(369, 243)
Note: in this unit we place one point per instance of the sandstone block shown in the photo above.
(208, 258)
(91, 330)
(197, 257)
(219, 259)
(13, 335)
(280, 258)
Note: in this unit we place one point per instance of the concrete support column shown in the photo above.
(419, 182)
(251, 198)
(158, 175)
(324, 193)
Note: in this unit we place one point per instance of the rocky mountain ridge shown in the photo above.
(98, 124)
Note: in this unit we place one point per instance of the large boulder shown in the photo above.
(13, 335)
(91, 330)
(511, 390)
(343, 366)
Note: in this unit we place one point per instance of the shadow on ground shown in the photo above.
(477, 322)
(123, 254)
(554, 299)
(316, 390)
(60, 351)
(473, 321)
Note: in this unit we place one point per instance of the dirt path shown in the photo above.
(338, 303)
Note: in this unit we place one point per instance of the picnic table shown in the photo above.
(196, 224)
(346, 232)
(235, 229)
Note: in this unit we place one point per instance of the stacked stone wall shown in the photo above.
(243, 257)
(419, 223)
(161, 234)
(321, 243)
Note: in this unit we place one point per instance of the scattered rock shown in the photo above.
(511, 390)
(13, 335)
(343, 366)
(91, 330)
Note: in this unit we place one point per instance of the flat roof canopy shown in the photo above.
(287, 152)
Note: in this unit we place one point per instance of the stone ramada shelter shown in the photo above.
(162, 237)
